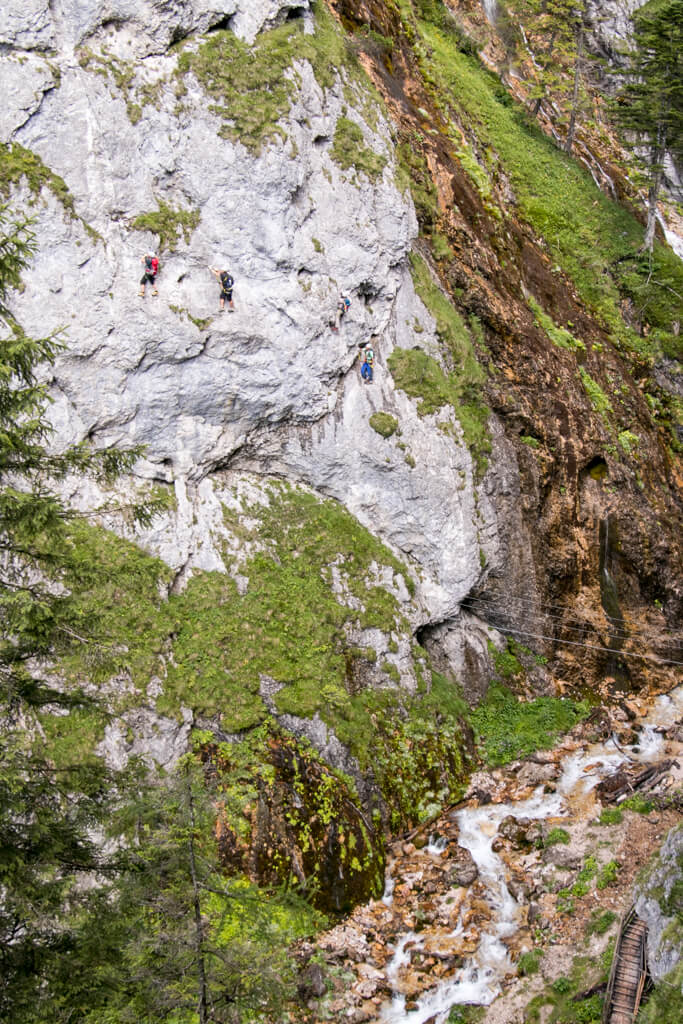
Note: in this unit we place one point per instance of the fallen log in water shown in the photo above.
(622, 783)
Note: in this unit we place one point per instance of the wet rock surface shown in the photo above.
(569, 878)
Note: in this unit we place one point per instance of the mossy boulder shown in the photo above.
(288, 818)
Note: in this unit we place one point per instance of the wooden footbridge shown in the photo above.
(629, 977)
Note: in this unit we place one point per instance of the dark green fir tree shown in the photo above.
(649, 106)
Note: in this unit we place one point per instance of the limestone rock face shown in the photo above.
(610, 25)
(139, 26)
(658, 905)
(269, 388)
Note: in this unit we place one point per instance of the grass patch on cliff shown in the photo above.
(211, 644)
(413, 173)
(289, 624)
(383, 423)
(593, 239)
(509, 729)
(18, 164)
(349, 150)
(422, 377)
(254, 86)
(559, 336)
(597, 396)
(168, 224)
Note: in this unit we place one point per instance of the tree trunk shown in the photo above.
(546, 60)
(657, 169)
(201, 971)
(575, 93)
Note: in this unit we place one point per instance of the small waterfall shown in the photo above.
(388, 894)
(674, 240)
(436, 845)
(490, 10)
(608, 539)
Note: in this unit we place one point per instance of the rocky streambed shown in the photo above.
(498, 875)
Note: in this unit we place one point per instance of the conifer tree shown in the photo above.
(199, 947)
(553, 36)
(49, 812)
(649, 106)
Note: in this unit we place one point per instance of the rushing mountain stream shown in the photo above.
(478, 979)
(457, 906)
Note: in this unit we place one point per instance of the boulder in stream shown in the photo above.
(462, 869)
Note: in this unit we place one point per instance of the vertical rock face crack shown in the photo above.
(608, 540)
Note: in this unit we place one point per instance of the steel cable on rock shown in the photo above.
(527, 602)
(524, 609)
(588, 647)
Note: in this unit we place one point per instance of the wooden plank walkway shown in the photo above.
(629, 972)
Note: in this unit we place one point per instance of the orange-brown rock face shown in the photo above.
(593, 546)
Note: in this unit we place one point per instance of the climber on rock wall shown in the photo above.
(367, 361)
(343, 305)
(150, 263)
(227, 282)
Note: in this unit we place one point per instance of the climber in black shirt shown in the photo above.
(227, 282)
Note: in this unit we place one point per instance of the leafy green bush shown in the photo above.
(611, 816)
(509, 728)
(601, 921)
(529, 963)
(506, 662)
(608, 874)
(556, 835)
(638, 803)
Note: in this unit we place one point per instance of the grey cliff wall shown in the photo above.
(268, 390)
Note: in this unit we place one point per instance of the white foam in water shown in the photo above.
(650, 743)
(388, 894)
(436, 845)
(478, 981)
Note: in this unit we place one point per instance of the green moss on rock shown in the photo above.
(383, 423)
(349, 150)
(169, 224)
(286, 816)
